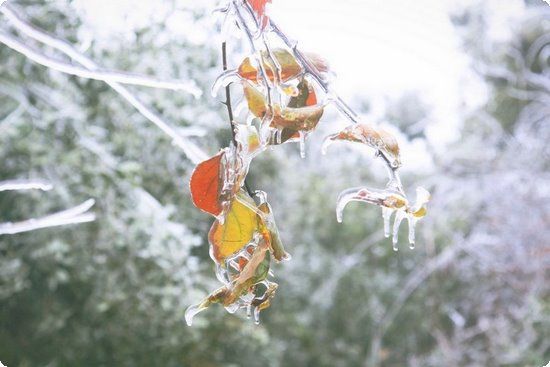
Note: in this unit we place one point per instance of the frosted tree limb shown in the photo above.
(16, 185)
(75, 215)
(193, 152)
(101, 75)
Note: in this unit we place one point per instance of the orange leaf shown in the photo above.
(289, 67)
(259, 7)
(206, 185)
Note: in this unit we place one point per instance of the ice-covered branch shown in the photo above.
(75, 215)
(309, 69)
(101, 75)
(193, 152)
(16, 185)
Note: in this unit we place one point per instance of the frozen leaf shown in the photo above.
(385, 198)
(306, 95)
(206, 185)
(366, 134)
(283, 61)
(271, 232)
(297, 119)
(240, 292)
(238, 229)
(259, 6)
(391, 202)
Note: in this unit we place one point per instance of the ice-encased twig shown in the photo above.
(77, 214)
(391, 201)
(101, 75)
(193, 152)
(19, 185)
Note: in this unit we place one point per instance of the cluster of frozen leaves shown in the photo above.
(285, 94)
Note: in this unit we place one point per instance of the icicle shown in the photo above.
(399, 215)
(257, 316)
(343, 199)
(225, 78)
(386, 214)
(412, 224)
(278, 136)
(191, 312)
(303, 136)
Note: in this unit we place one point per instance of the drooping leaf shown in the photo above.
(366, 134)
(206, 184)
(237, 230)
(271, 232)
(284, 60)
(296, 119)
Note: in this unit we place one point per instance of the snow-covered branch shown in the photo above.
(102, 75)
(193, 152)
(16, 185)
(77, 214)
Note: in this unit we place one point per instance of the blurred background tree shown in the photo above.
(475, 292)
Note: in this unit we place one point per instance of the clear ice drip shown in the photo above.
(191, 312)
(390, 200)
(303, 136)
(225, 78)
(386, 214)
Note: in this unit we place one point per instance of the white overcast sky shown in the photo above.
(379, 49)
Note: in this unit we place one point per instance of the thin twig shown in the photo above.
(229, 106)
(74, 215)
(101, 75)
(241, 22)
(193, 152)
(17, 185)
(312, 71)
(228, 96)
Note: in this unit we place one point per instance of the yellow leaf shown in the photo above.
(240, 225)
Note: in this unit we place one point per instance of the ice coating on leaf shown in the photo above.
(206, 185)
(378, 139)
(280, 65)
(223, 80)
(289, 123)
(242, 247)
(191, 312)
(391, 201)
(258, 6)
(385, 198)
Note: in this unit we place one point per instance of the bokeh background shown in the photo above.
(463, 84)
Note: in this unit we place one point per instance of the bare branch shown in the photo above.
(193, 152)
(16, 185)
(74, 215)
